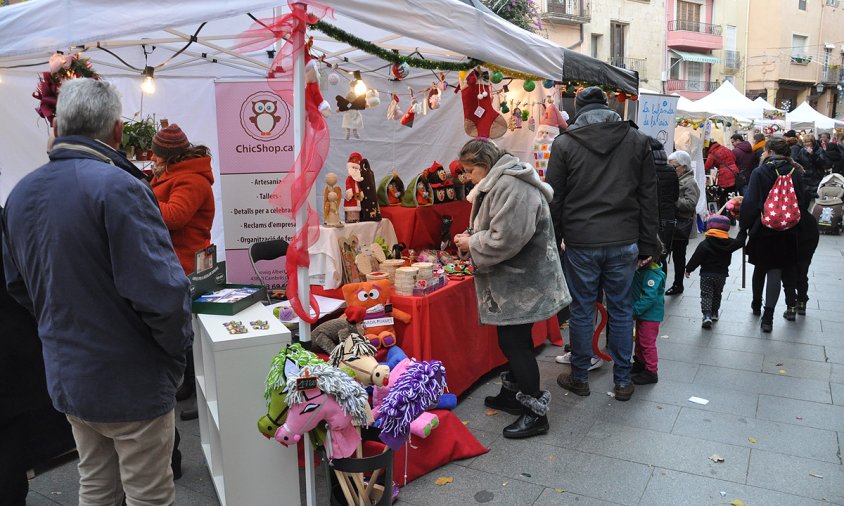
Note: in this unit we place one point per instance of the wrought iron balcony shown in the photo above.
(832, 74)
(686, 25)
(684, 85)
(732, 60)
(640, 65)
(567, 12)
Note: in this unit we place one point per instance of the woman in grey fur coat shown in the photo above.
(518, 277)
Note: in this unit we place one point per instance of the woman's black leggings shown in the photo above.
(678, 256)
(516, 343)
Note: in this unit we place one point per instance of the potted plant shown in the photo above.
(137, 137)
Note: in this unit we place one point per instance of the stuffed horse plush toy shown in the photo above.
(322, 392)
(416, 390)
(285, 364)
(357, 356)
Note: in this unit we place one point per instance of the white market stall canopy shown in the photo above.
(765, 105)
(804, 116)
(450, 30)
(725, 102)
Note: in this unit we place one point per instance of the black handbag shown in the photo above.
(683, 229)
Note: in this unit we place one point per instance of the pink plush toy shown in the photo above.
(326, 393)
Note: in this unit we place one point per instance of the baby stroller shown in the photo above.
(829, 205)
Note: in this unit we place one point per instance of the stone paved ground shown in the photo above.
(776, 416)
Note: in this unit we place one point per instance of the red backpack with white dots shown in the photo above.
(781, 211)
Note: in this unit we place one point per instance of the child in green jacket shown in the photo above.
(647, 292)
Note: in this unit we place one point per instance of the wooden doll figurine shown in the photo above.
(330, 206)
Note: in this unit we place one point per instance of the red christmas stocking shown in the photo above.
(409, 116)
(480, 119)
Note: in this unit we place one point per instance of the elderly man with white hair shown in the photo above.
(686, 207)
(88, 254)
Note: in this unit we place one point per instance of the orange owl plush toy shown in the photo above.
(378, 320)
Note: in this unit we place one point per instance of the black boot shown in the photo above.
(506, 398)
(801, 307)
(768, 320)
(790, 313)
(533, 420)
(674, 290)
(756, 307)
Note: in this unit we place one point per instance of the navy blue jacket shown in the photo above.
(88, 253)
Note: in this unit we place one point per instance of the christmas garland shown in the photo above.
(388, 55)
(512, 73)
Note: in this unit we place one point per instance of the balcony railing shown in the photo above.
(832, 75)
(567, 11)
(684, 85)
(732, 59)
(640, 65)
(686, 25)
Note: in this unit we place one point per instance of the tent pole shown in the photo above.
(298, 135)
(301, 222)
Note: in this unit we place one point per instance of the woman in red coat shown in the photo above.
(182, 185)
(722, 158)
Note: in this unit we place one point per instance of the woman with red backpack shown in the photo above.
(773, 239)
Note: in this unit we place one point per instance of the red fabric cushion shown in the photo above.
(450, 441)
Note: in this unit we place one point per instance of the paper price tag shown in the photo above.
(479, 112)
(306, 382)
(378, 322)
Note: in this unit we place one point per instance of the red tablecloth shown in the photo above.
(445, 327)
(421, 227)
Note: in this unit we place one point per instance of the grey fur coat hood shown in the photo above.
(518, 276)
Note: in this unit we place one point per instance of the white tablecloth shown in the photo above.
(326, 266)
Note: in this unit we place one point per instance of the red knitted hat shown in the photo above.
(170, 141)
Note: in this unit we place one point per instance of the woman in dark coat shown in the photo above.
(811, 157)
(775, 252)
(686, 212)
(668, 191)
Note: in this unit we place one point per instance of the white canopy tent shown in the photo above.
(765, 105)
(725, 102)
(804, 116)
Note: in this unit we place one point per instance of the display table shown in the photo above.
(326, 264)
(231, 370)
(421, 227)
(444, 326)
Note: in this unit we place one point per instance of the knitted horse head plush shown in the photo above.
(286, 363)
(357, 356)
(322, 392)
(417, 389)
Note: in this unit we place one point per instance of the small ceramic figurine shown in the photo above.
(354, 194)
(332, 196)
(369, 210)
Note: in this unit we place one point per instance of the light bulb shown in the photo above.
(360, 88)
(148, 85)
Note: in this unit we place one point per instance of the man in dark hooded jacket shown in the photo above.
(606, 220)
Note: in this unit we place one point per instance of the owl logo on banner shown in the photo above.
(264, 116)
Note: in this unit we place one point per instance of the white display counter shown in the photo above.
(245, 467)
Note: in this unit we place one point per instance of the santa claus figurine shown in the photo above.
(354, 194)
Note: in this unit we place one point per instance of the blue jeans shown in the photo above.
(610, 268)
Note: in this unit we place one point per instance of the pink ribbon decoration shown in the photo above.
(292, 192)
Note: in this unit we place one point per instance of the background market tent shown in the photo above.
(804, 116)
(725, 102)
